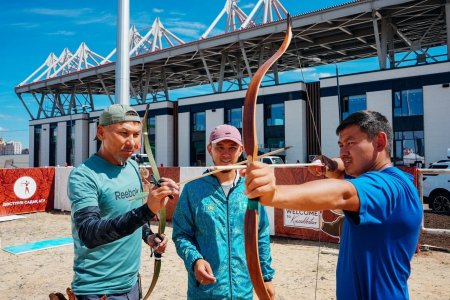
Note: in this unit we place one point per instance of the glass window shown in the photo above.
(152, 133)
(52, 146)
(198, 139)
(234, 117)
(274, 137)
(351, 104)
(408, 103)
(409, 143)
(409, 147)
(275, 114)
(37, 145)
(70, 136)
(199, 121)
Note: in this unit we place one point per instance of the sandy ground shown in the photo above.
(34, 275)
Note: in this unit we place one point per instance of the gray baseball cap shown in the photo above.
(117, 113)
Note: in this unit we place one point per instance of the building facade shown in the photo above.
(415, 99)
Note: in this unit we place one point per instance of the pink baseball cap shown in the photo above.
(225, 132)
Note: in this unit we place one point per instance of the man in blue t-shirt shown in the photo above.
(381, 204)
(107, 227)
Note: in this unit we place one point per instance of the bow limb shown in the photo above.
(162, 213)
(251, 148)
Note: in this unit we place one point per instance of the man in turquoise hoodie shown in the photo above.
(208, 227)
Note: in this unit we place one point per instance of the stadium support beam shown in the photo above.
(123, 59)
(208, 74)
(447, 22)
(244, 56)
(223, 60)
(381, 59)
(26, 107)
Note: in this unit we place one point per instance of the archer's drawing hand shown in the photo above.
(332, 167)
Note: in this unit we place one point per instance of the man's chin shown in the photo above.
(123, 160)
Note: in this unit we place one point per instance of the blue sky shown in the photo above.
(31, 30)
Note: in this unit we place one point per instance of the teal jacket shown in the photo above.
(209, 225)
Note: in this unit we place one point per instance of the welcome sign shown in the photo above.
(26, 190)
(301, 219)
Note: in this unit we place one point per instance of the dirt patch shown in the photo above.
(436, 221)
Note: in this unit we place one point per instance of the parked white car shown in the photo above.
(141, 159)
(436, 188)
(271, 160)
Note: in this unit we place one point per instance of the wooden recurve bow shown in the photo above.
(251, 148)
(162, 214)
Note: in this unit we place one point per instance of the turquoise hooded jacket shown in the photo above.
(207, 224)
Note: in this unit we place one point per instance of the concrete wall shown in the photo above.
(61, 142)
(436, 122)
(165, 138)
(31, 146)
(18, 160)
(81, 141)
(44, 146)
(295, 130)
(328, 122)
(184, 137)
(92, 135)
(214, 117)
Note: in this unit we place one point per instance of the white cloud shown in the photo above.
(62, 32)
(68, 13)
(23, 25)
(107, 19)
(158, 10)
(3, 129)
(193, 33)
(185, 24)
(185, 28)
(176, 13)
(249, 6)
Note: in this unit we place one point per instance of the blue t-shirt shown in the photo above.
(110, 268)
(378, 243)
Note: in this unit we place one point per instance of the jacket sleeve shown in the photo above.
(265, 257)
(183, 234)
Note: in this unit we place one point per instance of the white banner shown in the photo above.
(301, 219)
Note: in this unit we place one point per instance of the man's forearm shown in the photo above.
(94, 231)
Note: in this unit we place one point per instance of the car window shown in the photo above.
(267, 160)
(439, 166)
(277, 160)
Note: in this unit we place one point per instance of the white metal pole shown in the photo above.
(123, 58)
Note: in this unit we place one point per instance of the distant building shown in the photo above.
(12, 148)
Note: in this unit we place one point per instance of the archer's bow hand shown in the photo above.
(159, 194)
(260, 182)
(158, 242)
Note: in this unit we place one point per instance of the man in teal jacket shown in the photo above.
(208, 228)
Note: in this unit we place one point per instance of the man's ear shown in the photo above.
(100, 133)
(209, 149)
(382, 141)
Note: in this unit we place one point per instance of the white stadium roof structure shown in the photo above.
(359, 29)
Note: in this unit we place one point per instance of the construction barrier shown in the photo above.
(42, 189)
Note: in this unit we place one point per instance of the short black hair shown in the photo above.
(370, 122)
